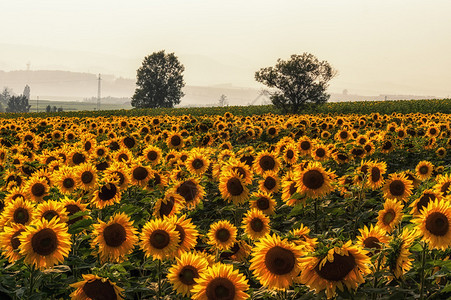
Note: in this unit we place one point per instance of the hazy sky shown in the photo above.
(377, 46)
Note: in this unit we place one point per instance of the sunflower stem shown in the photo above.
(423, 264)
(159, 280)
(31, 282)
(378, 266)
(316, 215)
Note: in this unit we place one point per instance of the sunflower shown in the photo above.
(441, 152)
(197, 163)
(45, 174)
(375, 173)
(270, 183)
(9, 241)
(314, 181)
(397, 187)
(300, 236)
(107, 194)
(320, 152)
(424, 169)
(290, 154)
(65, 180)
(191, 191)
(187, 232)
(73, 207)
(275, 262)
(341, 266)
(187, 268)
(95, 287)
(36, 188)
(289, 188)
(255, 224)
(45, 243)
(140, 174)
(169, 205)
(341, 157)
(241, 168)
(77, 157)
(304, 145)
(175, 141)
(18, 211)
(159, 239)
(373, 238)
(123, 155)
(13, 194)
(443, 185)
(51, 209)
(422, 202)
(115, 239)
(342, 136)
(266, 161)
(264, 202)
(233, 188)
(86, 176)
(390, 216)
(434, 224)
(152, 154)
(121, 171)
(222, 235)
(398, 260)
(101, 151)
(220, 282)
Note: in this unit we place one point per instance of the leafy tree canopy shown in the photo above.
(159, 81)
(296, 82)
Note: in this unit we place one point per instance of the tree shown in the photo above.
(26, 92)
(159, 81)
(297, 82)
(223, 100)
(18, 104)
(4, 97)
(48, 109)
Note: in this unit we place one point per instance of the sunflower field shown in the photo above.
(226, 206)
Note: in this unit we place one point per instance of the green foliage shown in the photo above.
(18, 104)
(302, 79)
(159, 81)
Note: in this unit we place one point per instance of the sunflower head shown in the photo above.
(222, 235)
(95, 287)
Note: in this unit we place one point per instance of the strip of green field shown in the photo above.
(79, 109)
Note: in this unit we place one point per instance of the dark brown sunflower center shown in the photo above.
(99, 290)
(44, 242)
(159, 239)
(188, 190)
(305, 145)
(176, 140)
(88, 146)
(267, 163)
(387, 145)
(140, 173)
(49, 214)
(290, 154)
(338, 269)
(220, 288)
(257, 225)
(270, 183)
(87, 177)
(343, 134)
(222, 235)
(21, 216)
(68, 183)
(372, 242)
(107, 192)
(181, 232)
(320, 152)
(234, 186)
(129, 142)
(114, 235)
(313, 179)
(397, 188)
(72, 209)
(262, 203)
(38, 189)
(100, 152)
(424, 201)
(152, 155)
(15, 242)
(166, 208)
(78, 158)
(437, 223)
(293, 188)
(280, 261)
(197, 163)
(187, 275)
(424, 170)
(375, 174)
(272, 131)
(389, 216)
(444, 188)
(123, 157)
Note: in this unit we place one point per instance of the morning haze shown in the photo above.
(383, 47)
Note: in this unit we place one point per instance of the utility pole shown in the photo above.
(98, 93)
